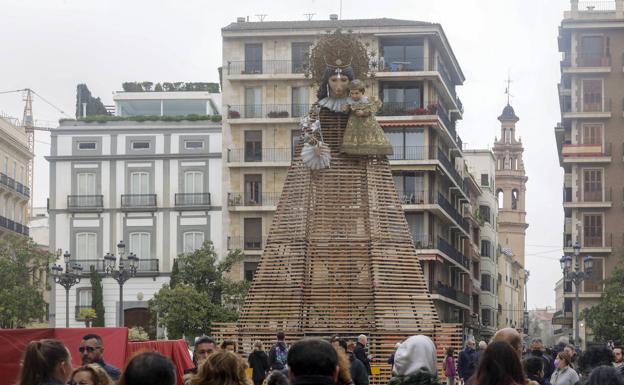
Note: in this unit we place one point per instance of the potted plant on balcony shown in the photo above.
(232, 114)
(278, 114)
(88, 315)
(432, 108)
(420, 111)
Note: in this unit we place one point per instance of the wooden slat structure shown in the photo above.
(339, 259)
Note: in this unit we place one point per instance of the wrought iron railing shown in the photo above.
(14, 185)
(415, 197)
(17, 227)
(85, 202)
(453, 253)
(245, 243)
(257, 67)
(138, 201)
(144, 265)
(253, 199)
(192, 199)
(423, 241)
(449, 292)
(255, 154)
(263, 111)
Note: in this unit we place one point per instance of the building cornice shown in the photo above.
(210, 155)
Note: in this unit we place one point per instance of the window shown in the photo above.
(507, 135)
(514, 199)
(594, 282)
(592, 54)
(86, 145)
(401, 99)
(183, 107)
(253, 233)
(403, 56)
(193, 144)
(485, 180)
(193, 240)
(86, 246)
(300, 56)
(140, 145)
(193, 182)
(6, 165)
(592, 185)
(486, 248)
(253, 146)
(85, 183)
(84, 298)
(592, 95)
(295, 137)
(253, 189)
(484, 213)
(486, 317)
(592, 230)
(592, 134)
(300, 101)
(139, 107)
(500, 196)
(250, 270)
(253, 102)
(140, 245)
(416, 224)
(139, 183)
(253, 58)
(410, 187)
(407, 143)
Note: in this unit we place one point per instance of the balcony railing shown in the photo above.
(245, 243)
(598, 106)
(452, 170)
(14, 226)
(452, 212)
(144, 265)
(449, 292)
(596, 6)
(264, 155)
(85, 202)
(251, 67)
(446, 77)
(248, 199)
(592, 60)
(138, 201)
(453, 253)
(412, 197)
(192, 199)
(265, 111)
(423, 241)
(409, 64)
(412, 152)
(11, 183)
(585, 150)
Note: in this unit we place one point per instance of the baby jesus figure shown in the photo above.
(363, 135)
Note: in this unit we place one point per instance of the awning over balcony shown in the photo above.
(581, 150)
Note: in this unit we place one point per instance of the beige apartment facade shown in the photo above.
(265, 93)
(589, 142)
(14, 190)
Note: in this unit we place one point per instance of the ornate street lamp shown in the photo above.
(67, 279)
(575, 275)
(121, 272)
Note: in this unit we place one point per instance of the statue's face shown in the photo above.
(338, 86)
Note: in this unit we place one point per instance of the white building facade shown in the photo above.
(154, 184)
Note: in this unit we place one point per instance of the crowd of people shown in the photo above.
(313, 361)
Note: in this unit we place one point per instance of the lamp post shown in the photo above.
(120, 272)
(69, 278)
(575, 275)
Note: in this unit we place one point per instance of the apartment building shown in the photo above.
(14, 190)
(589, 136)
(154, 184)
(482, 166)
(265, 92)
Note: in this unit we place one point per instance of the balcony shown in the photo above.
(452, 171)
(145, 266)
(452, 212)
(587, 63)
(265, 157)
(253, 202)
(423, 241)
(586, 153)
(592, 244)
(589, 199)
(412, 152)
(250, 245)
(450, 250)
(419, 113)
(192, 200)
(246, 69)
(597, 110)
(449, 292)
(415, 197)
(16, 227)
(138, 202)
(260, 113)
(14, 185)
(85, 203)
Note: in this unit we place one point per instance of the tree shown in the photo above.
(97, 297)
(94, 105)
(201, 293)
(605, 319)
(22, 265)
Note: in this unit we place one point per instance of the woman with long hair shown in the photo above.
(222, 368)
(259, 363)
(91, 374)
(45, 362)
(344, 367)
(564, 374)
(449, 366)
(499, 365)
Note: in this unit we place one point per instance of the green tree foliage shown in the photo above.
(94, 105)
(97, 297)
(605, 319)
(22, 265)
(200, 293)
(170, 87)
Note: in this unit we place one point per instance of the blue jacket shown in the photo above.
(467, 363)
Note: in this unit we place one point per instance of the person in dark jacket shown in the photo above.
(468, 361)
(278, 354)
(534, 368)
(537, 350)
(360, 352)
(313, 361)
(359, 376)
(92, 352)
(259, 363)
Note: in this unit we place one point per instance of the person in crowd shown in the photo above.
(45, 362)
(91, 374)
(564, 374)
(618, 360)
(500, 365)
(571, 351)
(415, 362)
(204, 346)
(449, 366)
(512, 337)
(149, 368)
(277, 378)
(537, 350)
(259, 363)
(468, 361)
(313, 361)
(391, 358)
(92, 352)
(278, 354)
(561, 344)
(358, 370)
(228, 345)
(605, 375)
(344, 367)
(222, 368)
(360, 352)
(610, 344)
(594, 357)
(534, 369)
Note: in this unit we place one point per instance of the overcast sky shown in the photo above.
(52, 45)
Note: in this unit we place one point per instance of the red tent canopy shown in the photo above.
(177, 350)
